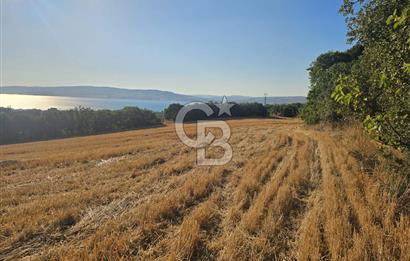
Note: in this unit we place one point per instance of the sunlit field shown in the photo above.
(290, 192)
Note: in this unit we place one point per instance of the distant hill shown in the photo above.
(244, 99)
(98, 92)
(140, 94)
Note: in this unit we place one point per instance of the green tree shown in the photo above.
(324, 74)
(170, 113)
(378, 87)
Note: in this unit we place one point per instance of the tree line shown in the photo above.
(18, 125)
(284, 110)
(238, 110)
(371, 81)
(32, 125)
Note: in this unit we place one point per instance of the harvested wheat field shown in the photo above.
(291, 192)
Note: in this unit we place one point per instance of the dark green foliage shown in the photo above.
(373, 85)
(31, 125)
(324, 74)
(238, 110)
(378, 88)
(284, 110)
(249, 110)
(171, 112)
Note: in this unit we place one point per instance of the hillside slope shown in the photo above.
(290, 192)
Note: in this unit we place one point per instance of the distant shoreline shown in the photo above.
(138, 94)
(45, 102)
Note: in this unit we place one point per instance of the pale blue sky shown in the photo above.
(232, 47)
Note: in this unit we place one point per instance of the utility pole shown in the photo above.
(265, 94)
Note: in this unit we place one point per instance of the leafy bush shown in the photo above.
(378, 87)
(324, 73)
(371, 81)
